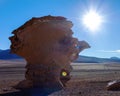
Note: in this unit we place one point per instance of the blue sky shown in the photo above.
(104, 43)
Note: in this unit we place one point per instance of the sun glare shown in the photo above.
(92, 20)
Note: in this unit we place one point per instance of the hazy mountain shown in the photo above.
(5, 54)
(114, 58)
(1, 50)
(87, 59)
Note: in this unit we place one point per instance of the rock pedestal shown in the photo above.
(48, 47)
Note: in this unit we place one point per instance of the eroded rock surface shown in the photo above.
(114, 85)
(48, 46)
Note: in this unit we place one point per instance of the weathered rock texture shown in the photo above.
(48, 47)
(114, 85)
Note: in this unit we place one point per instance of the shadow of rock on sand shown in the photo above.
(15, 94)
(29, 92)
(26, 93)
(22, 93)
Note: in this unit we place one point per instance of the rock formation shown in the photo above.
(114, 85)
(48, 47)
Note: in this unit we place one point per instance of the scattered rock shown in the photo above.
(114, 85)
(6, 89)
(80, 93)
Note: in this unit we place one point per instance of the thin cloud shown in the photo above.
(110, 51)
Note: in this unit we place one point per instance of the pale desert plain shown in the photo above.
(87, 79)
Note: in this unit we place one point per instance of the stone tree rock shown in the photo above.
(48, 46)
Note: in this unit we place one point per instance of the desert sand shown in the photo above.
(87, 79)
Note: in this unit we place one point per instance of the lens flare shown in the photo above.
(92, 20)
(64, 73)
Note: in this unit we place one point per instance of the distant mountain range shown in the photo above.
(88, 59)
(6, 55)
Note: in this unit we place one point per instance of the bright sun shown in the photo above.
(92, 20)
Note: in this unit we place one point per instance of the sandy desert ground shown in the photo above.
(88, 79)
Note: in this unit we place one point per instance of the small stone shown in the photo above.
(80, 93)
